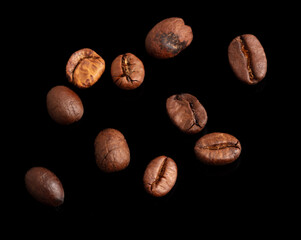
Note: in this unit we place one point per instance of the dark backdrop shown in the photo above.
(242, 190)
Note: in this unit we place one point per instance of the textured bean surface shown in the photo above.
(186, 112)
(160, 176)
(64, 105)
(168, 38)
(84, 68)
(247, 59)
(44, 186)
(111, 150)
(217, 149)
(127, 71)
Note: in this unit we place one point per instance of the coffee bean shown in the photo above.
(84, 68)
(186, 112)
(127, 71)
(64, 106)
(111, 150)
(168, 38)
(217, 149)
(44, 186)
(247, 59)
(160, 176)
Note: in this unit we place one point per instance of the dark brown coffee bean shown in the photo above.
(111, 150)
(186, 112)
(247, 59)
(64, 106)
(168, 38)
(160, 176)
(84, 68)
(217, 149)
(44, 186)
(127, 71)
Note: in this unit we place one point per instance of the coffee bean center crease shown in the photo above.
(126, 69)
(247, 55)
(220, 146)
(160, 174)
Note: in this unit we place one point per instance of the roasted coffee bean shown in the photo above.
(64, 106)
(160, 176)
(84, 68)
(247, 59)
(44, 186)
(186, 112)
(217, 149)
(111, 150)
(127, 71)
(168, 38)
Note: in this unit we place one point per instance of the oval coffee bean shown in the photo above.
(84, 68)
(168, 38)
(160, 176)
(186, 112)
(111, 150)
(64, 106)
(127, 71)
(44, 186)
(247, 59)
(217, 149)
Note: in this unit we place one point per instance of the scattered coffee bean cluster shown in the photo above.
(165, 40)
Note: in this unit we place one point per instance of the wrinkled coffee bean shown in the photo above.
(44, 186)
(168, 38)
(186, 112)
(111, 150)
(64, 106)
(247, 59)
(84, 68)
(160, 176)
(217, 149)
(127, 71)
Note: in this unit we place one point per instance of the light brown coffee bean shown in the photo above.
(84, 68)
(160, 176)
(186, 112)
(168, 38)
(111, 150)
(247, 59)
(217, 149)
(127, 71)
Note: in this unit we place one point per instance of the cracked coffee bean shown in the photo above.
(186, 113)
(111, 150)
(84, 68)
(127, 71)
(160, 176)
(217, 149)
(247, 59)
(168, 38)
(44, 186)
(64, 106)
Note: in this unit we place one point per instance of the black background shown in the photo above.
(249, 188)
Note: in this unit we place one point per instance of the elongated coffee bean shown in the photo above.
(217, 149)
(247, 59)
(64, 105)
(112, 152)
(160, 176)
(168, 38)
(186, 112)
(44, 186)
